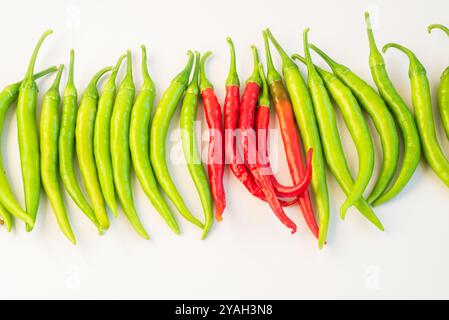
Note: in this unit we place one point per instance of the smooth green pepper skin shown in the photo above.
(422, 104)
(305, 117)
(139, 140)
(49, 132)
(190, 148)
(443, 100)
(84, 133)
(333, 149)
(8, 201)
(28, 137)
(120, 153)
(358, 128)
(404, 119)
(67, 145)
(383, 120)
(443, 88)
(159, 128)
(102, 149)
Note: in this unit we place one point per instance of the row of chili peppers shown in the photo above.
(238, 137)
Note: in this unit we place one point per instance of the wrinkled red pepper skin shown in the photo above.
(215, 164)
(238, 168)
(262, 129)
(231, 119)
(292, 148)
(246, 125)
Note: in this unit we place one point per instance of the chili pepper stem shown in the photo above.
(30, 71)
(233, 78)
(438, 26)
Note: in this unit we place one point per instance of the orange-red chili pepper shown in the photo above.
(248, 138)
(290, 136)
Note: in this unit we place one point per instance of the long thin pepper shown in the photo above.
(28, 137)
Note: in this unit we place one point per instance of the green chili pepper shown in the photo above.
(333, 149)
(67, 145)
(443, 88)
(375, 106)
(49, 132)
(159, 128)
(7, 198)
(139, 140)
(405, 121)
(305, 117)
(84, 133)
(422, 104)
(28, 137)
(190, 147)
(102, 149)
(358, 128)
(120, 154)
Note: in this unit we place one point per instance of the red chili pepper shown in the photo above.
(231, 119)
(290, 136)
(248, 138)
(215, 164)
(262, 124)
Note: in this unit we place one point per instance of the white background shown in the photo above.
(250, 254)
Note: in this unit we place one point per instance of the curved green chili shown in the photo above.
(159, 128)
(358, 129)
(305, 117)
(139, 141)
(333, 149)
(190, 147)
(7, 198)
(405, 120)
(84, 133)
(383, 120)
(422, 104)
(49, 132)
(28, 137)
(443, 88)
(120, 154)
(67, 145)
(102, 149)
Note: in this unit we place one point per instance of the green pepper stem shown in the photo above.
(415, 65)
(369, 31)
(286, 61)
(438, 26)
(310, 66)
(204, 83)
(255, 76)
(71, 76)
(193, 86)
(332, 63)
(45, 72)
(129, 65)
(30, 71)
(184, 75)
(264, 100)
(233, 77)
(321, 71)
(57, 81)
(117, 67)
(146, 74)
(36, 76)
(272, 74)
(93, 83)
